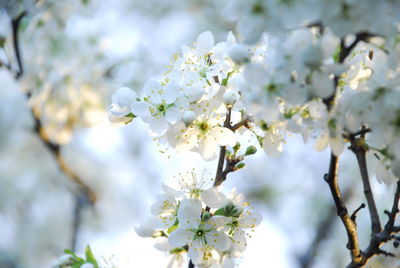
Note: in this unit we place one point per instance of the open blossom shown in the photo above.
(332, 132)
(120, 107)
(197, 188)
(158, 107)
(205, 134)
(201, 237)
(165, 209)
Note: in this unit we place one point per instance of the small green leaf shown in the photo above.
(90, 257)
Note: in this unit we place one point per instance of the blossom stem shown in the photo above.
(220, 175)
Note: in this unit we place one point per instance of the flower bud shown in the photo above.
(188, 117)
(251, 150)
(312, 56)
(239, 54)
(230, 97)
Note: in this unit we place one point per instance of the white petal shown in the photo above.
(322, 141)
(140, 109)
(123, 97)
(180, 237)
(188, 140)
(219, 240)
(189, 213)
(224, 136)
(171, 191)
(218, 222)
(147, 227)
(239, 240)
(272, 144)
(195, 253)
(158, 126)
(208, 147)
(118, 110)
(205, 41)
(171, 93)
(337, 145)
(173, 114)
(153, 91)
(162, 244)
(213, 198)
(251, 220)
(228, 263)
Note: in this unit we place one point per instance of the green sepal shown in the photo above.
(236, 147)
(219, 212)
(206, 216)
(173, 227)
(74, 256)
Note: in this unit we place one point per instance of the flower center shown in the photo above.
(204, 127)
(200, 233)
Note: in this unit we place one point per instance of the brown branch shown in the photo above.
(84, 195)
(351, 229)
(220, 177)
(244, 123)
(378, 239)
(15, 23)
(360, 151)
(343, 54)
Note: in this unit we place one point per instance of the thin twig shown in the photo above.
(220, 177)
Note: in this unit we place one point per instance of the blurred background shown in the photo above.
(68, 178)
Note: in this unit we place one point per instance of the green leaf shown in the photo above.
(75, 257)
(76, 265)
(90, 257)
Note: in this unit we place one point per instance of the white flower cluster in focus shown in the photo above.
(202, 221)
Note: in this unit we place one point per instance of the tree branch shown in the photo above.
(15, 23)
(84, 195)
(378, 239)
(360, 151)
(351, 229)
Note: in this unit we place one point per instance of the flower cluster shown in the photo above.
(202, 221)
(309, 76)
(187, 108)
